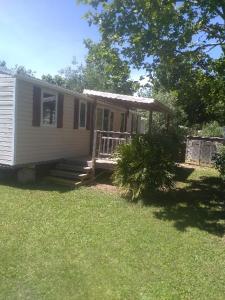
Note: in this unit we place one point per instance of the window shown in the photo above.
(49, 107)
(83, 111)
(122, 122)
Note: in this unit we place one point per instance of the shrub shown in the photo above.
(220, 161)
(146, 164)
(212, 129)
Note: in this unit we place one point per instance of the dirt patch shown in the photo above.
(190, 166)
(108, 188)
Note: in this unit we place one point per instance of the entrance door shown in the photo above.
(104, 119)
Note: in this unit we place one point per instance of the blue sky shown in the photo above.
(43, 35)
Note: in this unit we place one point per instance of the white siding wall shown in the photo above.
(38, 144)
(7, 91)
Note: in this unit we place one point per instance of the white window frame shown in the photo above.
(56, 107)
(85, 103)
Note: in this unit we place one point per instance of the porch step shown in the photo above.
(72, 172)
(68, 174)
(78, 162)
(72, 167)
(63, 181)
(68, 182)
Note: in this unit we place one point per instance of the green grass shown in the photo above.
(86, 244)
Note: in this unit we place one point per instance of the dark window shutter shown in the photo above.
(36, 106)
(76, 112)
(60, 111)
(89, 116)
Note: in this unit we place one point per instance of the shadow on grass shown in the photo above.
(8, 178)
(200, 204)
(104, 177)
(40, 185)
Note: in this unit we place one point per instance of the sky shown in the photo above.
(45, 35)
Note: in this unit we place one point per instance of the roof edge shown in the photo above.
(31, 79)
(51, 86)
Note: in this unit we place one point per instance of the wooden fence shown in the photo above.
(201, 150)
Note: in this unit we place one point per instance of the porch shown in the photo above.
(105, 136)
(104, 146)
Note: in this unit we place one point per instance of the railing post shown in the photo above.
(94, 151)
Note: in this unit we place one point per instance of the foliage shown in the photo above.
(103, 70)
(173, 42)
(220, 161)
(71, 77)
(159, 28)
(57, 79)
(212, 129)
(146, 164)
(170, 99)
(2, 63)
(17, 69)
(200, 90)
(106, 71)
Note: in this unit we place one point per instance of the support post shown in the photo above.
(126, 120)
(150, 121)
(92, 129)
(94, 151)
(167, 121)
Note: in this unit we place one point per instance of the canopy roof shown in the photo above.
(129, 102)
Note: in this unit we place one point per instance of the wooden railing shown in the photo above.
(106, 142)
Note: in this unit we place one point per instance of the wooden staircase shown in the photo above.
(72, 173)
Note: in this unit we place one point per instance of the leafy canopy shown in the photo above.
(103, 70)
(173, 41)
(158, 27)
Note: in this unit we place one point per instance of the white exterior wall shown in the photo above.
(39, 144)
(7, 105)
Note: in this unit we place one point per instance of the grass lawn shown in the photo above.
(88, 244)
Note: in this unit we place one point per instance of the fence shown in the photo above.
(201, 150)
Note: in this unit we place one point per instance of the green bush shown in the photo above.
(220, 161)
(146, 164)
(212, 129)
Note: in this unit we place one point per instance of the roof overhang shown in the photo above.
(128, 102)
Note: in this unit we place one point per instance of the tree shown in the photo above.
(57, 79)
(17, 69)
(103, 70)
(159, 28)
(106, 71)
(2, 63)
(172, 40)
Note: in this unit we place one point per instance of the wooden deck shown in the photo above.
(104, 146)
